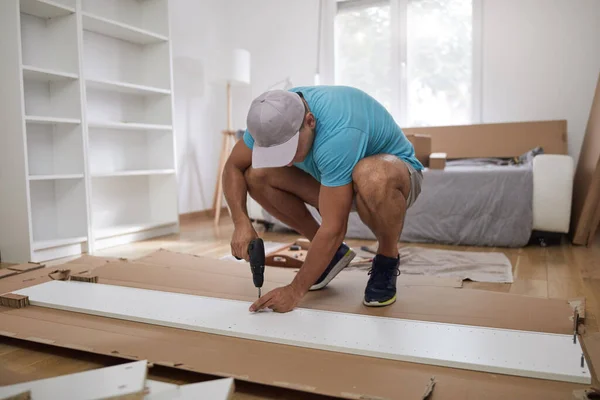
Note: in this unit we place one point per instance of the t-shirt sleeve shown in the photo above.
(248, 139)
(337, 157)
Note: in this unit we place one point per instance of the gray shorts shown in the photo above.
(416, 179)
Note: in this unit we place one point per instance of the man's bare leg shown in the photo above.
(283, 192)
(382, 185)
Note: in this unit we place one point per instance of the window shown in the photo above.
(363, 49)
(414, 56)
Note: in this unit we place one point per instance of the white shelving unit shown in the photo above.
(87, 154)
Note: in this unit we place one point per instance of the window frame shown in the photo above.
(399, 12)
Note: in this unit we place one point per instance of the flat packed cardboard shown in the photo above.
(437, 161)
(26, 267)
(306, 370)
(586, 185)
(591, 344)
(503, 140)
(422, 145)
(5, 272)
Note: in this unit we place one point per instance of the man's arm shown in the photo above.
(235, 190)
(334, 205)
(234, 183)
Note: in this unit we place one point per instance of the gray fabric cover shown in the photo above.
(471, 202)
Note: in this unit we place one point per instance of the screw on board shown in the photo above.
(582, 360)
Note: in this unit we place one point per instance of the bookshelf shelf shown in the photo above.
(119, 30)
(122, 87)
(46, 8)
(46, 75)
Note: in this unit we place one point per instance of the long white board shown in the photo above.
(503, 351)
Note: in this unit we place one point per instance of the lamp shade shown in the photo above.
(237, 68)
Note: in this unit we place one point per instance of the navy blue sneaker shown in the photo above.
(381, 288)
(341, 259)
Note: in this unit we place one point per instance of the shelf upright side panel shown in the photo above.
(85, 130)
(15, 243)
(166, 12)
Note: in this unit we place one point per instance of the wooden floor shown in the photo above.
(561, 272)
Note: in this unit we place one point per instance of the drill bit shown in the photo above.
(259, 293)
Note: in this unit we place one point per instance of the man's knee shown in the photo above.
(378, 175)
(256, 177)
(371, 174)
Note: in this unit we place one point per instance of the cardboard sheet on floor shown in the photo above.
(310, 371)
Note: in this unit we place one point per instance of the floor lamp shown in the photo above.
(237, 73)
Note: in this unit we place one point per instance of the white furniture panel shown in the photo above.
(110, 59)
(54, 149)
(45, 74)
(87, 105)
(50, 42)
(128, 126)
(126, 204)
(119, 30)
(114, 107)
(47, 8)
(121, 151)
(218, 389)
(56, 99)
(512, 352)
(146, 15)
(119, 381)
(58, 209)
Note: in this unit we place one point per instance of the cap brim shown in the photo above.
(275, 156)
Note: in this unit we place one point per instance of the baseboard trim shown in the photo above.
(200, 215)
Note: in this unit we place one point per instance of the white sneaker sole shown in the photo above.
(343, 263)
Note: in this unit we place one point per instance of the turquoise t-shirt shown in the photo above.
(351, 125)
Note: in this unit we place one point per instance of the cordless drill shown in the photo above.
(256, 252)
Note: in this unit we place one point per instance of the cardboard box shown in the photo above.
(505, 140)
(422, 145)
(299, 370)
(437, 160)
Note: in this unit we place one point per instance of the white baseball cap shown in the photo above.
(274, 121)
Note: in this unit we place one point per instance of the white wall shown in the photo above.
(282, 39)
(199, 31)
(541, 60)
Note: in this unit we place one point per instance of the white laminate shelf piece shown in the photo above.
(218, 389)
(124, 87)
(46, 75)
(33, 119)
(49, 244)
(117, 230)
(45, 8)
(128, 126)
(119, 30)
(502, 351)
(140, 172)
(54, 177)
(103, 383)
